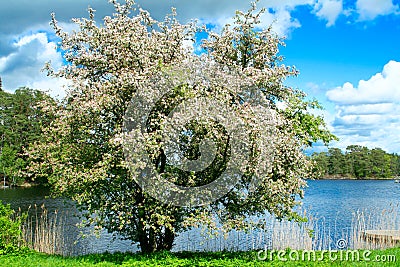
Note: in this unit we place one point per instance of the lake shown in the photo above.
(337, 200)
(331, 204)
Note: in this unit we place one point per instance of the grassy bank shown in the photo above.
(198, 259)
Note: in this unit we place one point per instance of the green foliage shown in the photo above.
(10, 230)
(21, 119)
(309, 128)
(11, 164)
(358, 162)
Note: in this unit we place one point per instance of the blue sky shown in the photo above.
(347, 52)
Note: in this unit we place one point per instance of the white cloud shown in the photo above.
(329, 10)
(367, 109)
(382, 87)
(23, 66)
(18, 15)
(205, 10)
(278, 13)
(370, 9)
(369, 114)
(282, 21)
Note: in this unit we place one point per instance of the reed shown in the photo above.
(288, 234)
(388, 220)
(275, 234)
(315, 234)
(44, 231)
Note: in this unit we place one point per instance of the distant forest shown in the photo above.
(21, 119)
(356, 162)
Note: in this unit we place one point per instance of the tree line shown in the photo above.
(356, 162)
(21, 120)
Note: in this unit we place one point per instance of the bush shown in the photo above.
(10, 230)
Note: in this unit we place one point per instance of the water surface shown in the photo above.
(332, 203)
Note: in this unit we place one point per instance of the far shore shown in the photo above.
(23, 185)
(354, 178)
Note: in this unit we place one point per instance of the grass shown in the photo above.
(250, 258)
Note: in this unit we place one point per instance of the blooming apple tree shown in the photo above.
(152, 138)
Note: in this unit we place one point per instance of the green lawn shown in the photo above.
(191, 259)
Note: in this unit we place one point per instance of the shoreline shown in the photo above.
(355, 179)
(24, 185)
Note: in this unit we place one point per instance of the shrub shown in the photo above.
(10, 229)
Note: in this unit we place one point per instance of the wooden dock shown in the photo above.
(382, 236)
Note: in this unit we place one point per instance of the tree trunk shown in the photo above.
(150, 241)
(160, 238)
(165, 240)
(146, 245)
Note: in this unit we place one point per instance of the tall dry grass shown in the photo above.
(315, 234)
(275, 234)
(387, 220)
(289, 234)
(45, 232)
